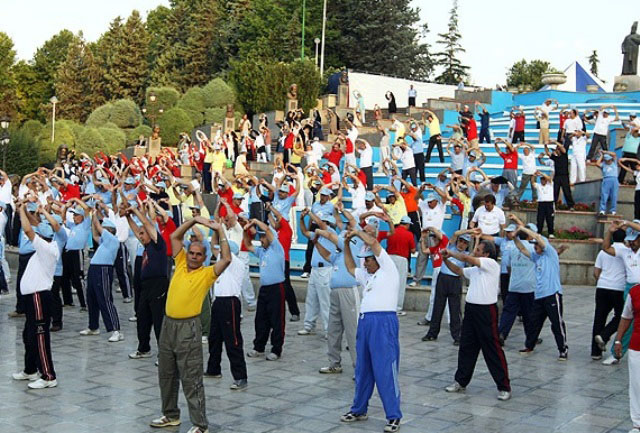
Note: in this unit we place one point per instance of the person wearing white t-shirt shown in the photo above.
(601, 130)
(366, 161)
(489, 218)
(408, 163)
(377, 331)
(432, 213)
(357, 192)
(352, 136)
(546, 204)
(35, 286)
(480, 323)
(578, 169)
(610, 274)
(6, 196)
(571, 125)
(529, 169)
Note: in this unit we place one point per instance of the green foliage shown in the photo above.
(22, 153)
(115, 139)
(166, 98)
(172, 123)
(193, 99)
(263, 86)
(110, 125)
(594, 61)
(64, 134)
(135, 133)
(523, 73)
(217, 93)
(125, 114)
(100, 115)
(27, 88)
(90, 141)
(75, 128)
(217, 115)
(32, 129)
(7, 82)
(453, 70)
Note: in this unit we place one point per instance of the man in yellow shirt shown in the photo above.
(180, 345)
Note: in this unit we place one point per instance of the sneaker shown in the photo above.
(133, 319)
(305, 331)
(55, 328)
(353, 417)
(551, 236)
(118, 290)
(413, 284)
(635, 430)
(42, 384)
(613, 212)
(456, 342)
(83, 309)
(401, 313)
(504, 395)
(332, 369)
(205, 339)
(611, 361)
(600, 342)
(526, 351)
(24, 376)
(294, 318)
(88, 331)
(455, 387)
(429, 338)
(196, 429)
(251, 308)
(596, 357)
(601, 213)
(163, 421)
(255, 354)
(272, 357)
(304, 275)
(213, 376)
(238, 385)
(424, 322)
(115, 337)
(139, 355)
(15, 314)
(564, 355)
(127, 300)
(393, 425)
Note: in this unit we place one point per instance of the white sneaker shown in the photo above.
(195, 429)
(600, 342)
(455, 387)
(401, 313)
(41, 384)
(504, 395)
(255, 354)
(139, 355)
(205, 340)
(116, 336)
(127, 300)
(133, 319)
(306, 332)
(635, 430)
(88, 331)
(24, 376)
(413, 284)
(304, 275)
(610, 360)
(118, 290)
(272, 357)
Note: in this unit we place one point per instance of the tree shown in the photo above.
(453, 70)
(202, 35)
(7, 81)
(523, 73)
(28, 90)
(594, 61)
(76, 80)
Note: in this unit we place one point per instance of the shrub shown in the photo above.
(22, 153)
(115, 140)
(32, 128)
(167, 97)
(214, 115)
(197, 117)
(99, 116)
(76, 128)
(172, 123)
(47, 150)
(125, 114)
(133, 134)
(90, 141)
(217, 93)
(109, 125)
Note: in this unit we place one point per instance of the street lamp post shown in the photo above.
(54, 101)
(304, 12)
(4, 139)
(152, 112)
(324, 25)
(317, 41)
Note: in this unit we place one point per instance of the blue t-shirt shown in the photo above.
(154, 259)
(609, 170)
(444, 269)
(107, 250)
(505, 246)
(79, 234)
(284, 206)
(523, 270)
(502, 193)
(341, 277)
(322, 209)
(466, 165)
(253, 195)
(316, 259)
(24, 244)
(484, 120)
(61, 239)
(547, 272)
(271, 263)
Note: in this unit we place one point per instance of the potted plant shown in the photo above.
(553, 78)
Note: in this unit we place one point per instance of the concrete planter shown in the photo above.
(553, 80)
(578, 249)
(564, 220)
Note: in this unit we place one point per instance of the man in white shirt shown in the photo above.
(7, 197)
(610, 275)
(489, 218)
(529, 169)
(35, 286)
(377, 331)
(578, 157)
(225, 321)
(480, 323)
(601, 130)
(412, 94)
(352, 135)
(432, 213)
(571, 125)
(546, 203)
(366, 161)
(408, 163)
(122, 268)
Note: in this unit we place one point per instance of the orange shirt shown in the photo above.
(410, 199)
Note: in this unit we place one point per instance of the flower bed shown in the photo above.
(578, 207)
(573, 233)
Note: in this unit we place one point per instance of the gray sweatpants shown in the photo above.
(180, 361)
(421, 266)
(343, 318)
(401, 264)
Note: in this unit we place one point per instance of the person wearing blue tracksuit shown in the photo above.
(377, 345)
(609, 189)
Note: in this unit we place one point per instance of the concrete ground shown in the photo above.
(101, 389)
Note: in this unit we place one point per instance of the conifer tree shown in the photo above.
(453, 71)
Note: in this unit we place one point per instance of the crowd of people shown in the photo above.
(183, 260)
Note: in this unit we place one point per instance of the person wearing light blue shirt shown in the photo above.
(282, 201)
(318, 297)
(72, 256)
(610, 185)
(99, 279)
(344, 297)
(449, 291)
(414, 139)
(269, 319)
(548, 292)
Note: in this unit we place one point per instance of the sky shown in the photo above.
(495, 33)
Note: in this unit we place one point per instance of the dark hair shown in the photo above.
(619, 235)
(489, 198)
(489, 247)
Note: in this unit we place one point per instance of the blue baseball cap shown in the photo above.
(195, 206)
(476, 177)
(57, 217)
(77, 211)
(233, 247)
(238, 196)
(369, 196)
(325, 191)
(465, 237)
(284, 188)
(161, 185)
(130, 181)
(328, 218)
(532, 227)
(631, 234)
(510, 228)
(44, 230)
(32, 207)
(366, 253)
(405, 220)
(243, 215)
(607, 157)
(106, 223)
(432, 197)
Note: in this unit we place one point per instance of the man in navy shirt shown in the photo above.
(484, 135)
(270, 311)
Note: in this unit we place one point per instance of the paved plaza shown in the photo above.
(101, 389)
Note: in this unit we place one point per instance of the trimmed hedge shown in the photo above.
(125, 114)
(133, 134)
(99, 116)
(22, 152)
(217, 93)
(64, 135)
(32, 128)
(167, 97)
(115, 140)
(90, 141)
(172, 123)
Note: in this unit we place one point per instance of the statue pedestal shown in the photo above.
(626, 83)
(292, 105)
(154, 146)
(343, 95)
(229, 124)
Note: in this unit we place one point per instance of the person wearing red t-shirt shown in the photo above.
(166, 227)
(285, 235)
(562, 117)
(233, 206)
(432, 242)
(518, 130)
(510, 158)
(400, 245)
(335, 155)
(471, 130)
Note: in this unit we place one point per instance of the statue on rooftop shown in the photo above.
(630, 51)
